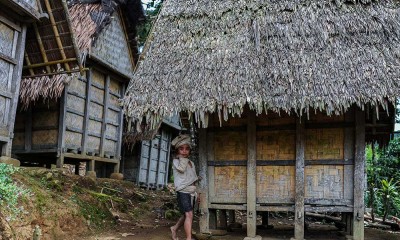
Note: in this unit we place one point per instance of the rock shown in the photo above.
(91, 174)
(117, 176)
(172, 214)
(218, 232)
(8, 160)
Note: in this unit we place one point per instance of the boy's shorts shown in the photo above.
(185, 203)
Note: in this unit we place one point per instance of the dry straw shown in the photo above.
(208, 56)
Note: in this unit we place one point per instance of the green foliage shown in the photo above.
(153, 7)
(10, 192)
(382, 166)
(389, 195)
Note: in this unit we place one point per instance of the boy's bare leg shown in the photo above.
(178, 224)
(188, 224)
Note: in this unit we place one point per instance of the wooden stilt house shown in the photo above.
(286, 94)
(14, 16)
(74, 118)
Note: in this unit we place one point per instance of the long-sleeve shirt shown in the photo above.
(184, 175)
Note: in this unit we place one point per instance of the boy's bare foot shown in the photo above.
(173, 232)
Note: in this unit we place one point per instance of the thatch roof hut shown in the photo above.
(14, 18)
(255, 67)
(60, 45)
(82, 59)
(207, 56)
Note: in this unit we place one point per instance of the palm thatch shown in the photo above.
(80, 24)
(44, 88)
(290, 55)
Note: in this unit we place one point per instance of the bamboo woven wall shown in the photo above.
(325, 172)
(45, 125)
(112, 47)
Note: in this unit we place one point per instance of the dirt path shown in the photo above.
(160, 231)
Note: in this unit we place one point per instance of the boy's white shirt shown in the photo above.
(184, 175)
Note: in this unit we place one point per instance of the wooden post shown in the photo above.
(251, 175)
(299, 198)
(348, 174)
(91, 165)
(19, 55)
(203, 184)
(359, 165)
(87, 106)
(222, 223)
(231, 216)
(61, 128)
(105, 113)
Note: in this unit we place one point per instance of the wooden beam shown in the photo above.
(251, 175)
(212, 214)
(359, 180)
(120, 130)
(62, 127)
(299, 197)
(105, 113)
(37, 65)
(203, 184)
(86, 111)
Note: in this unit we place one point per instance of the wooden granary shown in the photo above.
(75, 74)
(285, 93)
(14, 17)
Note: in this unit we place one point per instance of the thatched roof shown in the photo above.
(290, 55)
(79, 25)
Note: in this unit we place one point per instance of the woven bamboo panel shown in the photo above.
(234, 145)
(230, 182)
(114, 101)
(112, 116)
(75, 103)
(93, 143)
(276, 145)
(111, 131)
(275, 184)
(19, 139)
(324, 144)
(73, 139)
(110, 146)
(323, 181)
(78, 86)
(5, 69)
(112, 46)
(275, 119)
(115, 87)
(98, 78)
(73, 120)
(95, 110)
(94, 127)
(45, 119)
(45, 137)
(6, 40)
(97, 94)
(323, 117)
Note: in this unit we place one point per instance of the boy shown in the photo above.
(184, 179)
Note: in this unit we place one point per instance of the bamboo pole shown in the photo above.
(30, 66)
(55, 73)
(41, 47)
(56, 33)
(73, 39)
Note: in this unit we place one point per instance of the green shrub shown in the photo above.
(10, 192)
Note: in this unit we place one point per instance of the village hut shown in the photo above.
(146, 154)
(14, 17)
(69, 104)
(286, 94)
